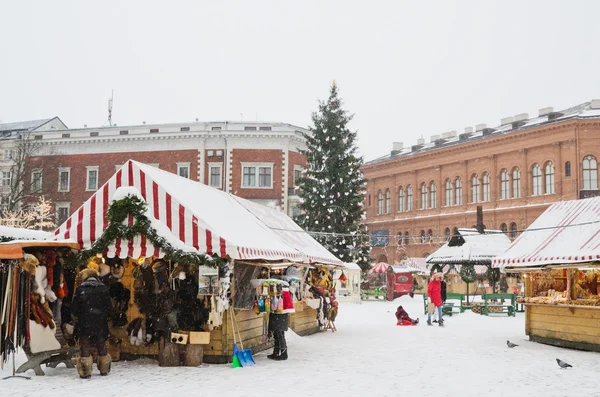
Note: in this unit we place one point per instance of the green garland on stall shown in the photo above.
(118, 211)
(468, 274)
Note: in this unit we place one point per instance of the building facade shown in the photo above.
(416, 197)
(257, 161)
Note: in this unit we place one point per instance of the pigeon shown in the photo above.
(510, 344)
(563, 364)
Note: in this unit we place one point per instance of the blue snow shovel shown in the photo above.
(245, 356)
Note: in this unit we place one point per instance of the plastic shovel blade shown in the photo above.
(248, 359)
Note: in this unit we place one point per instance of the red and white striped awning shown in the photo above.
(191, 216)
(379, 268)
(567, 233)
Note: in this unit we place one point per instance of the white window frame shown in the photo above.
(424, 196)
(60, 171)
(590, 172)
(401, 200)
(458, 191)
(3, 179)
(432, 195)
(184, 165)
(516, 182)
(409, 198)
(257, 167)
(220, 167)
(504, 185)
(388, 201)
(549, 178)
(487, 188)
(62, 204)
(297, 168)
(32, 188)
(536, 180)
(10, 153)
(89, 168)
(449, 188)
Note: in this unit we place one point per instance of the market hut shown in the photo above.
(468, 247)
(402, 280)
(560, 255)
(182, 252)
(347, 282)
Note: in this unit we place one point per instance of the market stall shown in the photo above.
(403, 280)
(347, 282)
(179, 254)
(559, 255)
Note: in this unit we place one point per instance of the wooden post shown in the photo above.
(571, 280)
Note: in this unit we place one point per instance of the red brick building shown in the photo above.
(258, 161)
(417, 196)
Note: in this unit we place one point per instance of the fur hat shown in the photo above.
(87, 273)
(437, 275)
(29, 263)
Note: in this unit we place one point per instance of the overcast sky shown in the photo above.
(405, 69)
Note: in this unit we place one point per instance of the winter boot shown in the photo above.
(104, 364)
(275, 354)
(417, 321)
(282, 355)
(441, 322)
(84, 367)
(429, 322)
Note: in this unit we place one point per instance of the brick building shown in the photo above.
(417, 196)
(258, 161)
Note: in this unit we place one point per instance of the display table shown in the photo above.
(572, 326)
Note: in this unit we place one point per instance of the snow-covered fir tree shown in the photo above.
(43, 215)
(333, 188)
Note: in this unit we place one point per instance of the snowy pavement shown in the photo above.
(368, 356)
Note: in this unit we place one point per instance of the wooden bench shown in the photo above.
(50, 358)
(448, 307)
(490, 301)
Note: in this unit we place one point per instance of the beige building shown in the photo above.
(417, 196)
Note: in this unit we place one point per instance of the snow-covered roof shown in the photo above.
(352, 266)
(193, 217)
(23, 234)
(468, 246)
(567, 233)
(406, 269)
(581, 111)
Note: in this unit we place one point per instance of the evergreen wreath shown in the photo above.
(468, 274)
(133, 205)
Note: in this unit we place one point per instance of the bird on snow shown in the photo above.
(510, 344)
(563, 364)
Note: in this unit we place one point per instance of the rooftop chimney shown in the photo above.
(507, 120)
(421, 141)
(449, 134)
(545, 111)
(435, 138)
(521, 117)
(595, 104)
(397, 146)
(480, 127)
(468, 130)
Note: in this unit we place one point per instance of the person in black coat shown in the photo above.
(443, 290)
(91, 307)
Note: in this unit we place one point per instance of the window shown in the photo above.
(513, 230)
(423, 196)
(257, 175)
(406, 238)
(409, 198)
(549, 176)
(486, 188)
(388, 201)
(401, 197)
(429, 236)
(590, 173)
(94, 133)
(37, 137)
(36, 181)
(124, 132)
(536, 178)
(6, 178)
(400, 239)
(369, 200)
(183, 170)
(91, 183)
(297, 175)
(379, 203)
(154, 130)
(8, 154)
(215, 128)
(249, 128)
(422, 236)
(265, 128)
(516, 175)
(458, 190)
(475, 197)
(62, 212)
(184, 129)
(66, 135)
(454, 231)
(433, 194)
(447, 234)
(215, 174)
(568, 169)
(504, 228)
(448, 192)
(504, 185)
(64, 179)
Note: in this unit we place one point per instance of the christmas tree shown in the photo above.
(333, 188)
(43, 215)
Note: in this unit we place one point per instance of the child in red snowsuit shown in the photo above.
(403, 317)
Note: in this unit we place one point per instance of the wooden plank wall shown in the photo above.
(577, 324)
(304, 320)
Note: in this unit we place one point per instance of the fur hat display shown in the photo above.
(87, 273)
(29, 263)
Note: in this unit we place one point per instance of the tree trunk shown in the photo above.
(467, 293)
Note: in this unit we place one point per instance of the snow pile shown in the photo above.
(23, 234)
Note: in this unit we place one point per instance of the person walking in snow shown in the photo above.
(91, 306)
(434, 297)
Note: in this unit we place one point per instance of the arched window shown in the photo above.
(536, 179)
(433, 194)
(409, 198)
(448, 192)
(590, 173)
(458, 190)
(379, 203)
(388, 201)
(475, 197)
(400, 239)
(429, 236)
(513, 230)
(486, 188)
(549, 174)
(447, 233)
(422, 235)
(454, 231)
(568, 169)
(504, 228)
(423, 196)
(406, 238)
(401, 205)
(369, 199)
(516, 183)
(504, 185)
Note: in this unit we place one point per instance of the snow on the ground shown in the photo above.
(368, 356)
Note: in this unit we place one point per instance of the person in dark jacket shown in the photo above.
(402, 315)
(91, 307)
(443, 283)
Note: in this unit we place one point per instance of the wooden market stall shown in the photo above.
(402, 280)
(184, 254)
(559, 255)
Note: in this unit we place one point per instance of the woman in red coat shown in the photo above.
(434, 293)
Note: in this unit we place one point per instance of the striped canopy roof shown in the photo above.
(192, 217)
(380, 267)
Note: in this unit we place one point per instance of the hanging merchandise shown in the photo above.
(215, 319)
(261, 305)
(287, 303)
